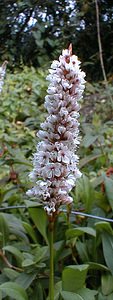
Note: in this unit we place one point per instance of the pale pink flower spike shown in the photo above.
(55, 161)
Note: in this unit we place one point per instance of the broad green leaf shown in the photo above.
(10, 273)
(9, 194)
(87, 294)
(84, 161)
(70, 296)
(96, 266)
(38, 292)
(39, 218)
(74, 232)
(107, 243)
(104, 226)
(84, 192)
(57, 290)
(30, 203)
(15, 252)
(89, 140)
(4, 229)
(40, 253)
(28, 262)
(97, 181)
(109, 189)
(107, 284)
(13, 290)
(82, 251)
(25, 280)
(29, 229)
(19, 157)
(16, 227)
(102, 297)
(73, 277)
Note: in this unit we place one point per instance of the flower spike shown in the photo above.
(56, 161)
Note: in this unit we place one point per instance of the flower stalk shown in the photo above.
(55, 163)
(51, 278)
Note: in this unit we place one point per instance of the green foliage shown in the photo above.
(22, 109)
(73, 277)
(39, 218)
(13, 290)
(82, 246)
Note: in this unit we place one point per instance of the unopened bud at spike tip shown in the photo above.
(70, 49)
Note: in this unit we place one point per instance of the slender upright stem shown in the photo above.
(101, 53)
(99, 42)
(51, 279)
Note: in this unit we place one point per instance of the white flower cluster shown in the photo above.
(55, 162)
(2, 74)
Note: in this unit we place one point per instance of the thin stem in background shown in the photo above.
(100, 52)
(78, 213)
(99, 42)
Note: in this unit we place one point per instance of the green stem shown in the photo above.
(51, 279)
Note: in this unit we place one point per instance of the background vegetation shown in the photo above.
(32, 33)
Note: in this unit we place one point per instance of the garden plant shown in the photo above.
(56, 244)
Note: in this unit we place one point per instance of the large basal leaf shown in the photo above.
(18, 156)
(104, 226)
(97, 181)
(16, 227)
(84, 192)
(30, 231)
(74, 232)
(73, 277)
(57, 290)
(107, 284)
(87, 294)
(107, 243)
(4, 229)
(109, 189)
(25, 280)
(30, 203)
(28, 262)
(89, 140)
(40, 254)
(82, 251)
(13, 290)
(10, 273)
(18, 255)
(86, 160)
(82, 294)
(39, 218)
(102, 297)
(70, 296)
(96, 266)
(38, 292)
